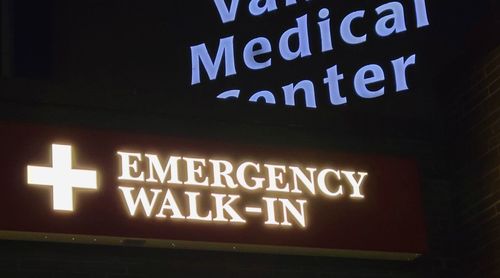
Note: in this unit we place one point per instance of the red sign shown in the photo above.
(109, 187)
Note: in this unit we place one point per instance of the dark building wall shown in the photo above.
(475, 124)
(54, 260)
(458, 158)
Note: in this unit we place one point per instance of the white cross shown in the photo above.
(62, 177)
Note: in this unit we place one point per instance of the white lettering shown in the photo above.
(169, 203)
(142, 198)
(275, 174)
(155, 167)
(298, 174)
(355, 184)
(195, 167)
(222, 207)
(129, 161)
(222, 170)
(271, 215)
(322, 183)
(288, 207)
(240, 175)
(193, 208)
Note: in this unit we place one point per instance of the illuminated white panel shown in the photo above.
(62, 177)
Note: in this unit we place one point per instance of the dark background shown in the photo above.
(124, 65)
(134, 57)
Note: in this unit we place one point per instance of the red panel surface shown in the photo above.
(388, 219)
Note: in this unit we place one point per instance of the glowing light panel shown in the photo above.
(62, 177)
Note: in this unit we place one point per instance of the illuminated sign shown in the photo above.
(270, 180)
(274, 182)
(103, 185)
(295, 43)
(62, 178)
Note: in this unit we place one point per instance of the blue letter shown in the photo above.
(292, 2)
(308, 88)
(361, 80)
(227, 15)
(303, 35)
(255, 9)
(250, 52)
(332, 79)
(345, 28)
(229, 94)
(400, 65)
(396, 18)
(267, 96)
(421, 11)
(324, 27)
(200, 52)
